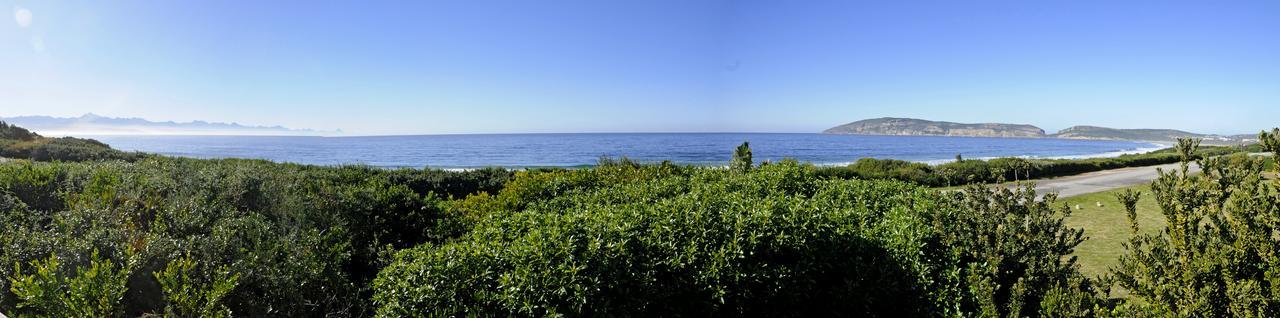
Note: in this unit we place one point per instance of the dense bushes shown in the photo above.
(1217, 256)
(456, 184)
(253, 237)
(882, 169)
(11, 132)
(630, 240)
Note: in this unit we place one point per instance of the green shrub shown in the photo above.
(452, 184)
(190, 291)
(51, 290)
(778, 241)
(278, 226)
(15, 133)
(16, 142)
(1216, 256)
(741, 161)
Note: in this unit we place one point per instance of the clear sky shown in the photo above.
(476, 66)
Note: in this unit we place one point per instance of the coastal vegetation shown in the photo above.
(239, 236)
(664, 240)
(1216, 255)
(255, 237)
(193, 237)
(18, 142)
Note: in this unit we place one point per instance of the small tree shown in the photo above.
(56, 290)
(741, 158)
(195, 291)
(1271, 142)
(13, 132)
(998, 174)
(1186, 148)
(1217, 254)
(1025, 166)
(1129, 198)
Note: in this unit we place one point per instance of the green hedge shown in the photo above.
(299, 240)
(625, 240)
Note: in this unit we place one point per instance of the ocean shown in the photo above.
(574, 150)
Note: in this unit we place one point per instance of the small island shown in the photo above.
(919, 127)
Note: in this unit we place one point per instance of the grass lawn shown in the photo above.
(1107, 228)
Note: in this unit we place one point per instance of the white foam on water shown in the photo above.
(934, 162)
(1111, 154)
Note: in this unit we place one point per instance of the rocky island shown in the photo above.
(920, 127)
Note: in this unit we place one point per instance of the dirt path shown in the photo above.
(1103, 180)
(1099, 181)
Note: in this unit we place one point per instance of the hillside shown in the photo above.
(1094, 132)
(20, 143)
(920, 127)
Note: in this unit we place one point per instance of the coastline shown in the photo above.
(1110, 154)
(532, 151)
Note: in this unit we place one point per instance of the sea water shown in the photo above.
(571, 150)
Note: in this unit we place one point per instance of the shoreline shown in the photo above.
(1111, 154)
(1153, 146)
(932, 150)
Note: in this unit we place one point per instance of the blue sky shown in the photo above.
(376, 67)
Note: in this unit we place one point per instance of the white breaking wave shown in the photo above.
(934, 162)
(1151, 147)
(1111, 154)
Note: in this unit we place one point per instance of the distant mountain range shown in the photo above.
(920, 127)
(92, 124)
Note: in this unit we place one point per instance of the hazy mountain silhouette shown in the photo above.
(90, 123)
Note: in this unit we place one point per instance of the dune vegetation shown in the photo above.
(188, 237)
(20, 143)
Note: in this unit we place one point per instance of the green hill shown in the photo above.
(920, 127)
(20, 143)
(1094, 132)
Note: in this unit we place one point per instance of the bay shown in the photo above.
(572, 150)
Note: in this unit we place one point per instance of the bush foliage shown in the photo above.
(633, 240)
(255, 237)
(17, 142)
(1217, 255)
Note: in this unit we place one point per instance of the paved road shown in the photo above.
(1103, 180)
(1099, 181)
